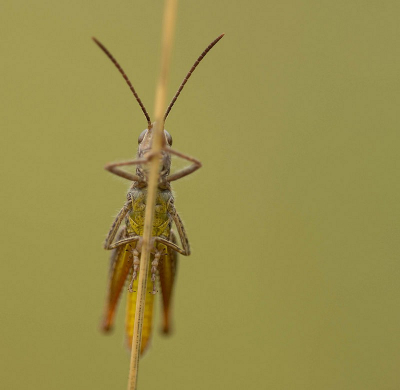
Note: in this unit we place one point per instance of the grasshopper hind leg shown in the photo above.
(136, 263)
(154, 268)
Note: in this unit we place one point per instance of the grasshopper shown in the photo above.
(125, 235)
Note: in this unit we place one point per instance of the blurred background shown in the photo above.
(293, 282)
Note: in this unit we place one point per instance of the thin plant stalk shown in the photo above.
(154, 168)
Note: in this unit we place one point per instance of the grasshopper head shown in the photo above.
(145, 139)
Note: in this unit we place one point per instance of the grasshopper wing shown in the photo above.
(167, 272)
(148, 313)
(120, 266)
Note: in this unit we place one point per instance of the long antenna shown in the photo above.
(118, 66)
(202, 55)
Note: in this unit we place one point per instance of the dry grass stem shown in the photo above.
(154, 166)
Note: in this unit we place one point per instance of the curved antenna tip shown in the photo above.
(202, 55)
(118, 66)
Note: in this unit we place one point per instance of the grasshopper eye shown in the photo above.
(169, 138)
(141, 136)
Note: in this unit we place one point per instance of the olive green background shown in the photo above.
(293, 282)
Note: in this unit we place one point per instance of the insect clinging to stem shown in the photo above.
(125, 239)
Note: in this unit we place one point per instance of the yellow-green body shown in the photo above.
(162, 220)
(121, 266)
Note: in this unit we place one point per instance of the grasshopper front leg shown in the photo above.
(114, 168)
(196, 164)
